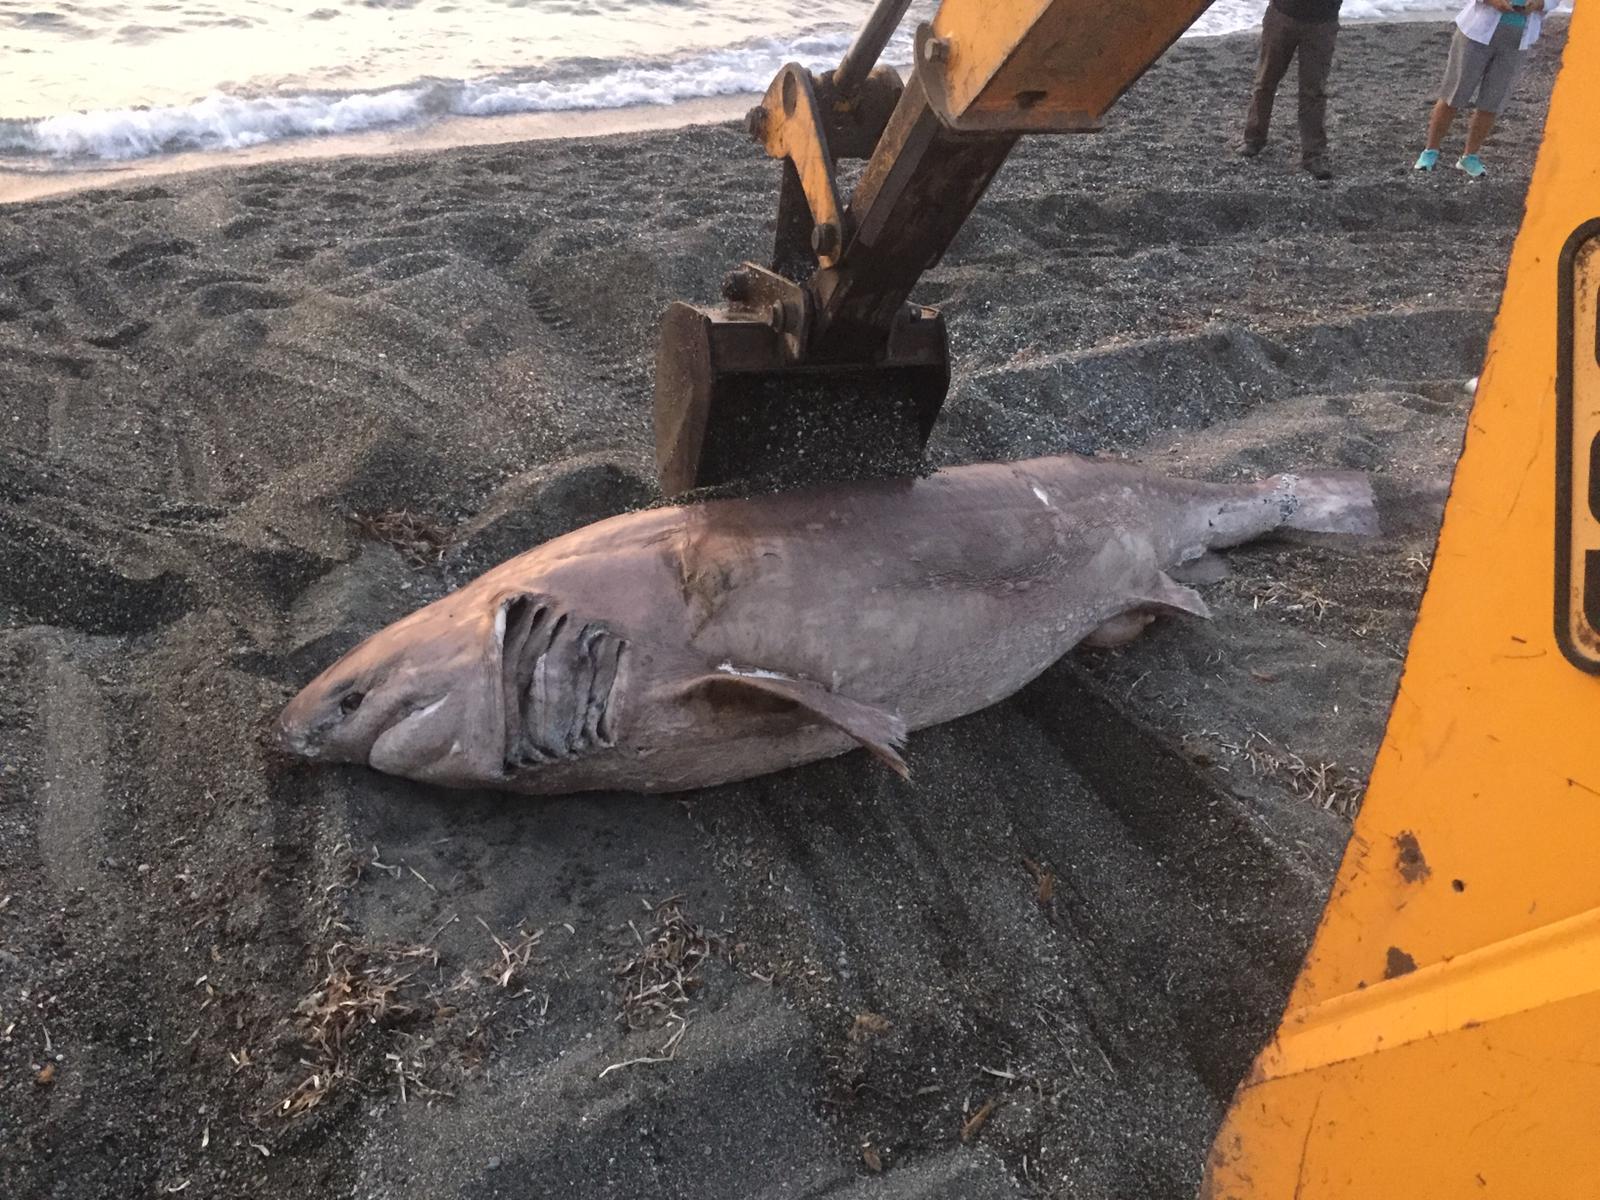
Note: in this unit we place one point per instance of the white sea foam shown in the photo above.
(218, 122)
(728, 72)
(226, 120)
(222, 121)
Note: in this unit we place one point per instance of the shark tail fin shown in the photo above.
(1327, 502)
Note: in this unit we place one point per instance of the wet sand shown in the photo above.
(251, 415)
(449, 133)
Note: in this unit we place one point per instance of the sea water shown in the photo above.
(101, 82)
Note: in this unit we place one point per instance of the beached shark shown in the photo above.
(681, 647)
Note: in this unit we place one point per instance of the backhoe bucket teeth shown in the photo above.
(733, 412)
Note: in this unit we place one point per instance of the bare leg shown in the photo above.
(1439, 124)
(1478, 129)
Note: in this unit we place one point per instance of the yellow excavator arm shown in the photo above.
(819, 363)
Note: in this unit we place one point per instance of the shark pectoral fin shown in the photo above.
(1167, 593)
(880, 731)
(1164, 594)
(1119, 630)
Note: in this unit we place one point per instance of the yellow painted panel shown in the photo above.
(1475, 860)
(981, 37)
(1070, 56)
(1506, 1111)
(1546, 966)
(1489, 766)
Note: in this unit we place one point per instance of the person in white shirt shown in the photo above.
(1490, 41)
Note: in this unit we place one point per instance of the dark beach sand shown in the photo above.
(203, 379)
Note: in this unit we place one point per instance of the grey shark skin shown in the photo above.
(683, 647)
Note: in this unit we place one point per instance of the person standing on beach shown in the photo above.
(1307, 28)
(1486, 52)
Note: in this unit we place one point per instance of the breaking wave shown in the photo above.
(222, 121)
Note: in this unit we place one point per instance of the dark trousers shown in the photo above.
(1282, 37)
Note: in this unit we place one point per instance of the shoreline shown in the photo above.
(450, 133)
(455, 132)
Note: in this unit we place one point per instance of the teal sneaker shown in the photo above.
(1427, 160)
(1472, 165)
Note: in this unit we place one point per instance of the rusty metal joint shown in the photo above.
(755, 123)
(792, 126)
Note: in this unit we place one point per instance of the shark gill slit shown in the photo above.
(563, 681)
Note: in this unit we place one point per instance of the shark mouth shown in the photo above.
(558, 676)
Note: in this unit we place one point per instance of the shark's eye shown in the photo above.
(351, 701)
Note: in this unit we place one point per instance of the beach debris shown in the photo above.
(869, 1025)
(1292, 597)
(1044, 882)
(434, 936)
(514, 955)
(397, 1015)
(1325, 784)
(974, 1123)
(364, 987)
(424, 879)
(680, 647)
(420, 540)
(667, 1053)
(659, 983)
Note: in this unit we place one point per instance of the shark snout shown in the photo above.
(302, 724)
(296, 740)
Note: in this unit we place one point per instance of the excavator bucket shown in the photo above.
(731, 409)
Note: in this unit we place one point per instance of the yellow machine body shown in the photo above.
(1443, 1038)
